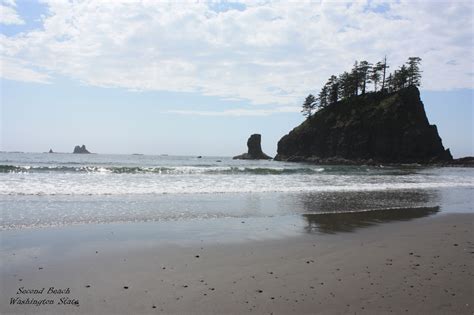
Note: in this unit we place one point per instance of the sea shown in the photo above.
(218, 197)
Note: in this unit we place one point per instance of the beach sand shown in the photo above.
(422, 266)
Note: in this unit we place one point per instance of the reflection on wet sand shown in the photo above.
(347, 211)
(330, 223)
(367, 200)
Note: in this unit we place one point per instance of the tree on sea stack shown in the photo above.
(348, 84)
(364, 70)
(375, 74)
(355, 78)
(309, 105)
(323, 97)
(400, 78)
(346, 88)
(383, 65)
(389, 83)
(333, 88)
(413, 71)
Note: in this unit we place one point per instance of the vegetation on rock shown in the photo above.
(385, 126)
(355, 82)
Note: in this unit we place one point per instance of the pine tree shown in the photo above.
(413, 71)
(400, 78)
(355, 78)
(309, 105)
(384, 67)
(333, 89)
(346, 89)
(375, 74)
(362, 73)
(389, 83)
(363, 70)
(323, 97)
(403, 77)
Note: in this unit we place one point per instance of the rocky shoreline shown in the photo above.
(461, 162)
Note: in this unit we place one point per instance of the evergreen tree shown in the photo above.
(384, 67)
(413, 71)
(333, 89)
(362, 73)
(346, 89)
(396, 80)
(323, 97)
(389, 83)
(375, 74)
(355, 78)
(309, 105)
(400, 78)
(364, 70)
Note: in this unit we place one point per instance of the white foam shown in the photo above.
(103, 183)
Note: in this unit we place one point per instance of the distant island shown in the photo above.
(353, 126)
(80, 150)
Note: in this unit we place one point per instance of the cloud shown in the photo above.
(8, 14)
(15, 70)
(258, 51)
(451, 62)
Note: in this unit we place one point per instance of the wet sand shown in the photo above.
(422, 266)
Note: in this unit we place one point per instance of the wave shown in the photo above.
(159, 170)
(155, 189)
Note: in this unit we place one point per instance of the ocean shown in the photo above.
(49, 190)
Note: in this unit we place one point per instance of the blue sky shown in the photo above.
(198, 78)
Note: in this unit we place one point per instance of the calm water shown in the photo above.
(64, 189)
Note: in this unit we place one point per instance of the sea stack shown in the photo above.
(50, 151)
(254, 150)
(377, 127)
(80, 150)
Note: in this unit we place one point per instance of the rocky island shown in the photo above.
(80, 150)
(254, 150)
(348, 124)
(373, 127)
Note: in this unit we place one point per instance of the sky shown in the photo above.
(198, 77)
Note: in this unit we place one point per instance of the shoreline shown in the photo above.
(417, 266)
(467, 161)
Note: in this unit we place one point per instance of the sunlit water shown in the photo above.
(38, 190)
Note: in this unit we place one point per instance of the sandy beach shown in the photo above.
(422, 266)
(236, 157)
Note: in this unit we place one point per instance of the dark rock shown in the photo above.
(50, 151)
(80, 149)
(367, 129)
(254, 150)
(467, 161)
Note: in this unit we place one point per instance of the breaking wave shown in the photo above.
(159, 170)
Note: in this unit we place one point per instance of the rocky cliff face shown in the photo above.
(382, 127)
(80, 149)
(254, 149)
